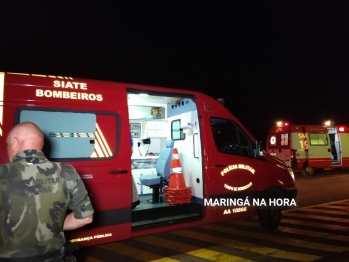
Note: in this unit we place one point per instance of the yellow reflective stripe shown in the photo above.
(267, 251)
(21, 74)
(216, 256)
(39, 75)
(105, 144)
(189, 249)
(94, 154)
(99, 146)
(165, 259)
(98, 151)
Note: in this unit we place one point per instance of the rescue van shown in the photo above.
(193, 162)
(307, 148)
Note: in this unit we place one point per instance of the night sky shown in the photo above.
(269, 60)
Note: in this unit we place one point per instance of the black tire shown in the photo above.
(269, 217)
(308, 170)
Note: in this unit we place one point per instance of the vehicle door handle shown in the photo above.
(329, 150)
(220, 166)
(114, 172)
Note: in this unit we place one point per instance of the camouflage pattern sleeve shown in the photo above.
(80, 202)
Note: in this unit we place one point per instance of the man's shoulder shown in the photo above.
(8, 166)
(68, 170)
(67, 167)
(64, 165)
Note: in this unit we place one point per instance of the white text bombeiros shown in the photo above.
(68, 94)
(259, 202)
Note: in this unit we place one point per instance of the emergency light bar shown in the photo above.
(329, 123)
(280, 123)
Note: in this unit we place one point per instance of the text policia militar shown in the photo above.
(246, 202)
(68, 94)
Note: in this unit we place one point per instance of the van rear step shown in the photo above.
(165, 221)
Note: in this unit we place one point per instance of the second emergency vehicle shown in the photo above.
(309, 147)
(87, 123)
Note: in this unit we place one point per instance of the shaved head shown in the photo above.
(24, 136)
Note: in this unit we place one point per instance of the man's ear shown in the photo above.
(16, 143)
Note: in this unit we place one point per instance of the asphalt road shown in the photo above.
(316, 230)
(327, 186)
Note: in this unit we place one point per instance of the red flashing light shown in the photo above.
(280, 123)
(341, 129)
(293, 154)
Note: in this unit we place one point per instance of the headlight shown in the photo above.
(290, 171)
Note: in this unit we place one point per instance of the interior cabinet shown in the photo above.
(155, 129)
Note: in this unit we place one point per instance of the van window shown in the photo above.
(318, 139)
(75, 134)
(230, 139)
(246, 145)
(284, 139)
(176, 130)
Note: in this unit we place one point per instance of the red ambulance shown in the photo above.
(309, 147)
(87, 123)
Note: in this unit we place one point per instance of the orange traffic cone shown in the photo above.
(176, 166)
(177, 181)
(177, 192)
(176, 177)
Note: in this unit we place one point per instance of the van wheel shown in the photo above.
(308, 170)
(269, 217)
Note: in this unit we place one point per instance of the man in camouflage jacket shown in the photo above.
(34, 197)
